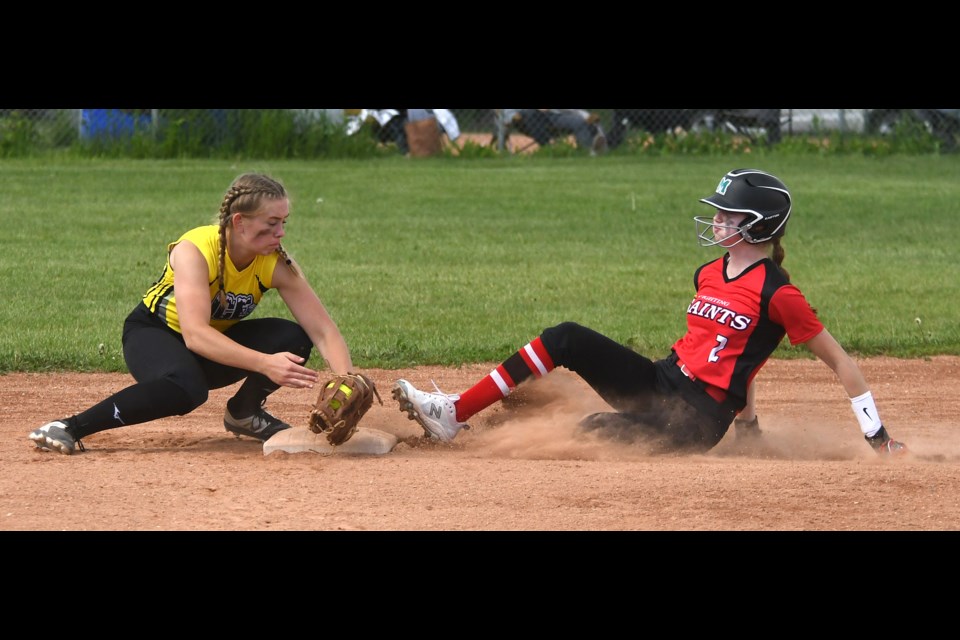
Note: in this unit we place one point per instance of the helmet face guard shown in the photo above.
(761, 196)
(707, 238)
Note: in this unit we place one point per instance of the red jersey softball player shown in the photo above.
(743, 307)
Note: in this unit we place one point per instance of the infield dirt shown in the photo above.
(519, 468)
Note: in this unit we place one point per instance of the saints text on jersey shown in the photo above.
(721, 315)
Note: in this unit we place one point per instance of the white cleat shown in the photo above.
(435, 412)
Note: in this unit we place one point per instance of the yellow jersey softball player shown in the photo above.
(190, 333)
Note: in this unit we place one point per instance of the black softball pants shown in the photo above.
(172, 380)
(655, 403)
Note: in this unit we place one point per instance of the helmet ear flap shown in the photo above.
(746, 227)
(771, 221)
(745, 232)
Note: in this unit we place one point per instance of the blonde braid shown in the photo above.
(222, 221)
(226, 210)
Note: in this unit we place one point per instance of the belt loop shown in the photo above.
(683, 368)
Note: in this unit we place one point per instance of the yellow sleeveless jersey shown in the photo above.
(243, 288)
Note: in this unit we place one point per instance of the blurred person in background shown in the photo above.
(394, 126)
(544, 125)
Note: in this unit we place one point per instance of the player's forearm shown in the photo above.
(334, 351)
(213, 345)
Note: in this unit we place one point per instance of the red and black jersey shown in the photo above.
(734, 324)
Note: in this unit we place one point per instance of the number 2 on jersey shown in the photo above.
(715, 352)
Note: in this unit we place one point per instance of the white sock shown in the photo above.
(866, 411)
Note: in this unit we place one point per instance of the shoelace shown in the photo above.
(75, 439)
(261, 418)
(438, 389)
(451, 398)
(267, 418)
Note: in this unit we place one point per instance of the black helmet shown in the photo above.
(762, 196)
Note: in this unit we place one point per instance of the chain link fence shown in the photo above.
(197, 131)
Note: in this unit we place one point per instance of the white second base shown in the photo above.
(298, 440)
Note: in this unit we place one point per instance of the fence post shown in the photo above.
(500, 129)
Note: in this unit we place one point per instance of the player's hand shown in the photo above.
(285, 369)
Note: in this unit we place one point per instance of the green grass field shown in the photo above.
(449, 261)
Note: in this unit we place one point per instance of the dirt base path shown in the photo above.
(519, 468)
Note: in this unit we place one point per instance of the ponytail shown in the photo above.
(778, 255)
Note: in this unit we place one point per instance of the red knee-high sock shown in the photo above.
(532, 359)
